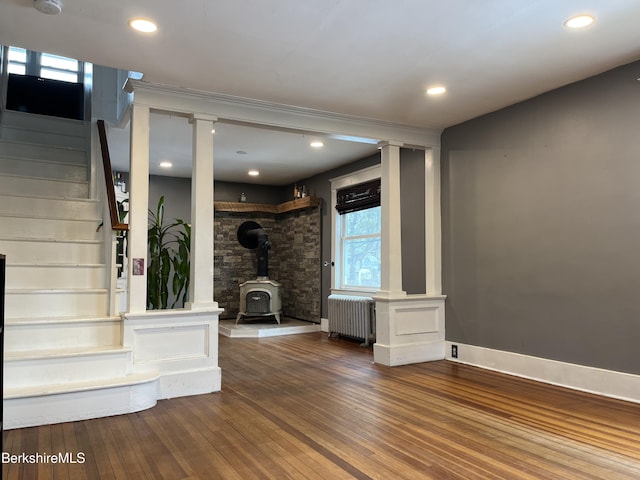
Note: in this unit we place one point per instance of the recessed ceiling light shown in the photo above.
(436, 90)
(166, 164)
(317, 144)
(579, 21)
(253, 173)
(213, 130)
(143, 25)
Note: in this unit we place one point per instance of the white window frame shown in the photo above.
(338, 183)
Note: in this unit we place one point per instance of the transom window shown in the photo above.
(44, 65)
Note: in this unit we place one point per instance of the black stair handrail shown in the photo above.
(108, 178)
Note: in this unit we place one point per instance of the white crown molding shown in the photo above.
(229, 108)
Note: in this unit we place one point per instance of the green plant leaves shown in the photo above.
(169, 246)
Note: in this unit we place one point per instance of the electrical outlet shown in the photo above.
(454, 351)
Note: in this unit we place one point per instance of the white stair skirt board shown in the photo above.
(24, 334)
(608, 383)
(48, 404)
(288, 326)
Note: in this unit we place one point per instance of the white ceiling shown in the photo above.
(369, 58)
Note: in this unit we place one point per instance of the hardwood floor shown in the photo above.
(309, 407)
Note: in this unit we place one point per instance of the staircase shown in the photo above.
(64, 358)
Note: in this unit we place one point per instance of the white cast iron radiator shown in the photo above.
(352, 316)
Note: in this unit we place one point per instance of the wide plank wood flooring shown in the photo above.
(310, 407)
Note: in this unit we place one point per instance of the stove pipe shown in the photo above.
(252, 236)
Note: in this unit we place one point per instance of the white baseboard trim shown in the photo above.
(393, 356)
(194, 382)
(608, 383)
(324, 325)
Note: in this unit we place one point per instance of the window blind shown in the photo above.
(358, 197)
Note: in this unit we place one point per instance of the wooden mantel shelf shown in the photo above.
(297, 204)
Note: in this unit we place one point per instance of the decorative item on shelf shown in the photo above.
(243, 197)
(118, 181)
(296, 192)
(303, 191)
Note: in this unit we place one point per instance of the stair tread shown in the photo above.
(53, 320)
(48, 240)
(51, 217)
(65, 352)
(54, 290)
(54, 265)
(35, 177)
(41, 160)
(43, 144)
(50, 197)
(58, 388)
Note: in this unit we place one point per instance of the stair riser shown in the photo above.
(31, 121)
(43, 228)
(44, 304)
(42, 152)
(16, 185)
(74, 406)
(21, 251)
(53, 276)
(47, 138)
(41, 207)
(20, 337)
(75, 368)
(35, 168)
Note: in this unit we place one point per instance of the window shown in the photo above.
(58, 68)
(358, 227)
(17, 61)
(44, 65)
(360, 249)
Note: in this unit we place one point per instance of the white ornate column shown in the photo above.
(138, 209)
(409, 328)
(391, 240)
(202, 235)
(433, 234)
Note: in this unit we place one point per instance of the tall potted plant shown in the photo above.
(181, 263)
(163, 256)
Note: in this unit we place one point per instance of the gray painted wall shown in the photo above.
(413, 222)
(541, 225)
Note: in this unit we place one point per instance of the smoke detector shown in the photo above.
(50, 7)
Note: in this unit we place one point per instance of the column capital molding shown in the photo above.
(390, 143)
(202, 116)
